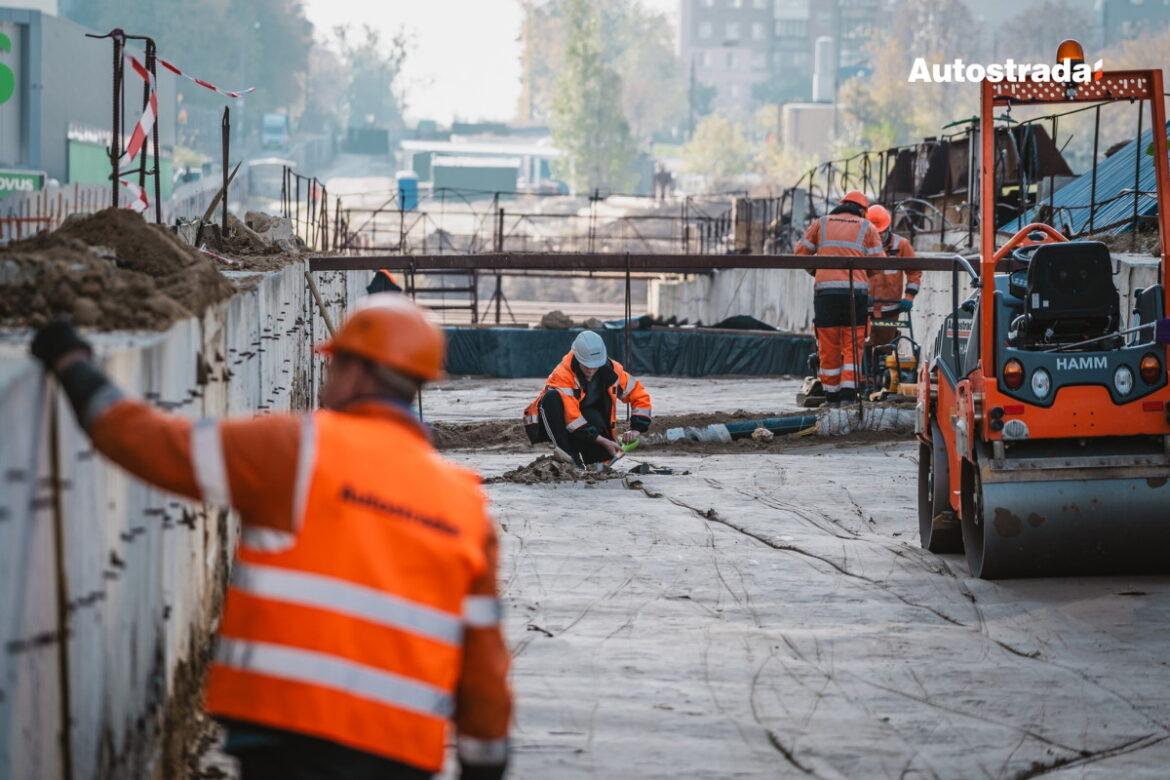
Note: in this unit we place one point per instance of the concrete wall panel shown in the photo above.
(143, 570)
(783, 298)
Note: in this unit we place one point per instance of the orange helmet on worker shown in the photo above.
(363, 613)
(841, 296)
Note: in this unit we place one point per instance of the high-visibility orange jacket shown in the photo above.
(363, 606)
(619, 384)
(840, 235)
(894, 285)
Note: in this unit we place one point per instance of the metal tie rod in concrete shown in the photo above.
(620, 261)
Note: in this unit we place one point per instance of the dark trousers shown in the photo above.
(271, 754)
(552, 420)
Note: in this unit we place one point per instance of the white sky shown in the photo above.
(465, 63)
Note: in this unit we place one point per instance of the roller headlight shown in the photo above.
(1041, 383)
(1123, 380)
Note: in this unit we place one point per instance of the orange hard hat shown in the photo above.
(390, 330)
(879, 217)
(856, 196)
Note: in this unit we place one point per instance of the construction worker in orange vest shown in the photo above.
(362, 612)
(892, 291)
(577, 408)
(841, 297)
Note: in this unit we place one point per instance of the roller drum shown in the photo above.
(1064, 517)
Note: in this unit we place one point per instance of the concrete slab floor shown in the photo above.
(772, 615)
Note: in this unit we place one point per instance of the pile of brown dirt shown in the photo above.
(785, 443)
(111, 270)
(557, 320)
(479, 435)
(701, 419)
(547, 469)
(510, 433)
(70, 280)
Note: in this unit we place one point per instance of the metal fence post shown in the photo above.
(225, 141)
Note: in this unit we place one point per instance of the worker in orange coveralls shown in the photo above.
(841, 297)
(891, 291)
(576, 410)
(362, 613)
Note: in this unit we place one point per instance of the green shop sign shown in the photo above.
(7, 77)
(12, 182)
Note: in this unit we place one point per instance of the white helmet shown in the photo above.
(589, 349)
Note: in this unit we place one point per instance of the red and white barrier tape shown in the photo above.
(140, 203)
(149, 114)
(218, 257)
(232, 93)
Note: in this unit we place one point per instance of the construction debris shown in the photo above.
(844, 420)
(547, 468)
(110, 270)
(557, 320)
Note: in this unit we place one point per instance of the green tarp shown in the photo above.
(523, 352)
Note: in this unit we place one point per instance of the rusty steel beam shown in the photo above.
(612, 261)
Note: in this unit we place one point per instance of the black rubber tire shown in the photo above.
(933, 484)
(973, 523)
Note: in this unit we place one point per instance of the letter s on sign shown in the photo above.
(7, 77)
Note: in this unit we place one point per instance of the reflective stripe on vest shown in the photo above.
(328, 671)
(842, 284)
(354, 633)
(208, 464)
(857, 244)
(482, 611)
(313, 590)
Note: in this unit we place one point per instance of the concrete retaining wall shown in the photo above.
(784, 298)
(108, 588)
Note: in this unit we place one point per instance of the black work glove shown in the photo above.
(55, 340)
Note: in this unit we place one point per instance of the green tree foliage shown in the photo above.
(586, 120)
(635, 41)
(373, 91)
(327, 74)
(1025, 40)
(718, 151)
(883, 107)
(642, 52)
(234, 43)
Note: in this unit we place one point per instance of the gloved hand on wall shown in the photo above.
(56, 340)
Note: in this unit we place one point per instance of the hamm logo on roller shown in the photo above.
(1081, 363)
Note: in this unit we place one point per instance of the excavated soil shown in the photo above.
(509, 435)
(111, 270)
(253, 252)
(479, 435)
(547, 469)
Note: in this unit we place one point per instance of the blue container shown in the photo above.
(407, 190)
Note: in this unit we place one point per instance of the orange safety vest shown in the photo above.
(354, 633)
(840, 235)
(892, 285)
(563, 379)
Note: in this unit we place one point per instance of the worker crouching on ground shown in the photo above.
(362, 612)
(841, 297)
(892, 291)
(577, 409)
